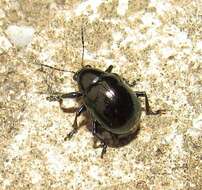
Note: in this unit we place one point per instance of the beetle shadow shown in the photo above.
(69, 110)
(73, 110)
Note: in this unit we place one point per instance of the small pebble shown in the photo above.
(20, 36)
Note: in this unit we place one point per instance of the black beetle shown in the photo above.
(109, 100)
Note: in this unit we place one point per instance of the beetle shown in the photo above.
(109, 99)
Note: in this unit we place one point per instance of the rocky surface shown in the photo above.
(157, 43)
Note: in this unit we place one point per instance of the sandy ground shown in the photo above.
(158, 43)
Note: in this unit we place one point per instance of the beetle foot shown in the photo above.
(70, 135)
(104, 149)
(132, 84)
(157, 112)
(53, 98)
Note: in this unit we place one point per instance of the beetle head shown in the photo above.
(86, 77)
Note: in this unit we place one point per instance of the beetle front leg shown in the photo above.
(147, 106)
(75, 125)
(103, 144)
(59, 97)
(128, 83)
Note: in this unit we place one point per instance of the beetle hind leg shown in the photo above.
(147, 106)
(75, 124)
(103, 143)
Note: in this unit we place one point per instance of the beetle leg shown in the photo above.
(75, 125)
(128, 83)
(62, 96)
(109, 69)
(147, 106)
(103, 144)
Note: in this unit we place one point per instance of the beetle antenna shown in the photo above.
(62, 70)
(82, 39)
